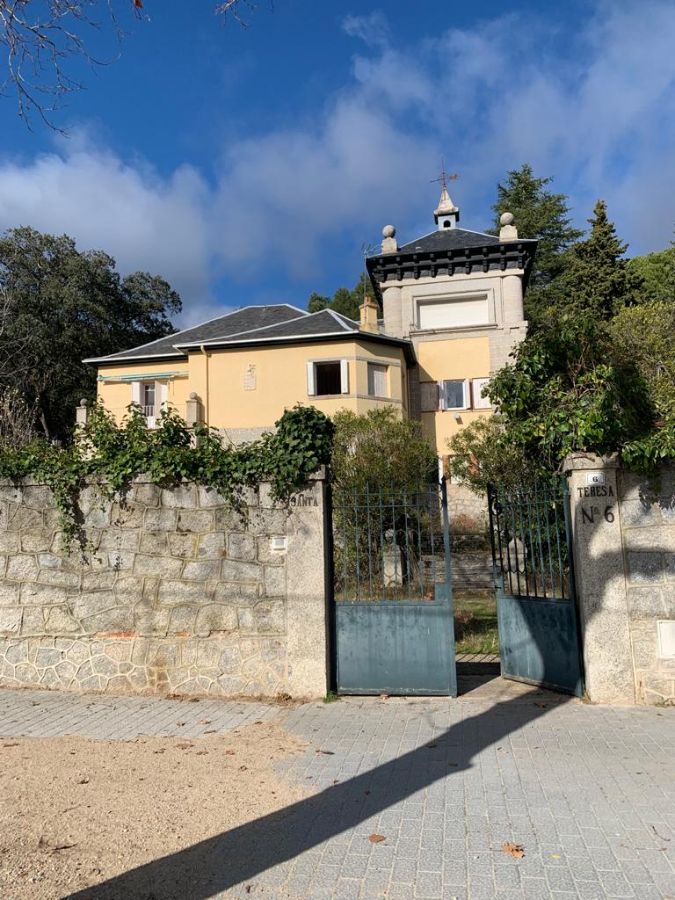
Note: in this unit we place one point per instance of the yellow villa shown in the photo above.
(452, 304)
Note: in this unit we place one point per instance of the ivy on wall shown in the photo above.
(111, 455)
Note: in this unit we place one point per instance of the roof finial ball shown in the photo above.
(507, 231)
(389, 244)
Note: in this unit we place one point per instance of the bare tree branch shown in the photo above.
(39, 41)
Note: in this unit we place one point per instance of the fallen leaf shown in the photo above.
(202, 753)
(541, 705)
(432, 744)
(204, 722)
(210, 731)
(229, 753)
(180, 724)
(514, 850)
(376, 838)
(453, 765)
(243, 768)
(10, 745)
(326, 752)
(183, 745)
(161, 750)
(84, 780)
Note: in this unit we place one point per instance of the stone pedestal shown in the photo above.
(600, 579)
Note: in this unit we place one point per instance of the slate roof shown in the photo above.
(449, 239)
(232, 323)
(325, 322)
(288, 324)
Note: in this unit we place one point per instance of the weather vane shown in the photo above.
(445, 177)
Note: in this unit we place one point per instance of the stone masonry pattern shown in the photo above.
(648, 537)
(176, 592)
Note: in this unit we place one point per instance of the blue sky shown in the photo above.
(250, 165)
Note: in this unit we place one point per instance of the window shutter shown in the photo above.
(428, 396)
(311, 381)
(162, 394)
(477, 386)
(344, 376)
(442, 402)
(136, 392)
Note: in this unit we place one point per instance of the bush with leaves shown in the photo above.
(380, 451)
(111, 455)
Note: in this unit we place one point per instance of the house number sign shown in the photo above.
(592, 514)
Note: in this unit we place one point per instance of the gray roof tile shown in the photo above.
(448, 239)
(245, 319)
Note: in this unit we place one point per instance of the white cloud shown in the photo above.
(144, 221)
(591, 102)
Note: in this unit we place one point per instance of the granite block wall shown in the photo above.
(648, 542)
(176, 593)
(624, 552)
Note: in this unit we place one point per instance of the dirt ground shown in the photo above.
(74, 812)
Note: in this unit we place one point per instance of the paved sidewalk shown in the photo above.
(589, 793)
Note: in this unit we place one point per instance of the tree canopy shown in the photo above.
(344, 301)
(542, 215)
(380, 451)
(597, 375)
(597, 279)
(657, 271)
(60, 306)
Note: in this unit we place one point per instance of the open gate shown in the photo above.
(393, 617)
(539, 636)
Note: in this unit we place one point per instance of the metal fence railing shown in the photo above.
(531, 541)
(390, 545)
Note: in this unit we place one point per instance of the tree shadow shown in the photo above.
(242, 853)
(239, 855)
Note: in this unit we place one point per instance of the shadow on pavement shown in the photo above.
(238, 855)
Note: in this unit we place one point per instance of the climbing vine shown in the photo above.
(110, 455)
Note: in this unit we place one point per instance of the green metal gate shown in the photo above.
(539, 637)
(393, 622)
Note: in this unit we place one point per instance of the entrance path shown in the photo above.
(587, 791)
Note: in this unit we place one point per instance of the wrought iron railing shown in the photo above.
(530, 535)
(390, 545)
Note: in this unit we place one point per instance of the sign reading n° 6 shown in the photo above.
(595, 478)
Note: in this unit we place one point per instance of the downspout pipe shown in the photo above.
(206, 387)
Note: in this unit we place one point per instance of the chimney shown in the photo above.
(368, 315)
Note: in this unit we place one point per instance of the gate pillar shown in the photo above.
(600, 580)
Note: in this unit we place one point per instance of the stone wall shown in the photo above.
(624, 550)
(647, 509)
(176, 592)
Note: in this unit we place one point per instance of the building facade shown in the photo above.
(452, 311)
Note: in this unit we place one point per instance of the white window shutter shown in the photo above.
(344, 376)
(441, 396)
(136, 392)
(162, 394)
(477, 386)
(311, 380)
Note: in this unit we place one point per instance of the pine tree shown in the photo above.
(317, 302)
(539, 215)
(598, 280)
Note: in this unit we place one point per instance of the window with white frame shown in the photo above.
(453, 312)
(326, 378)
(378, 380)
(454, 394)
(150, 396)
(478, 401)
